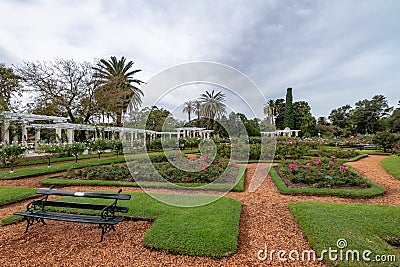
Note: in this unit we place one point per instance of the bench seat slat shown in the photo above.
(77, 205)
(46, 191)
(68, 217)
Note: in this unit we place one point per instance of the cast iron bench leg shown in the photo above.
(104, 229)
(30, 221)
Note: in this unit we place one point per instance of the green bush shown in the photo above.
(386, 140)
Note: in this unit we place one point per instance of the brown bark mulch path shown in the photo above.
(265, 221)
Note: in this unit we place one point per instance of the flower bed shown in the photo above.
(320, 173)
(196, 171)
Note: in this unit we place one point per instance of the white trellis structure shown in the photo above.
(127, 135)
(286, 132)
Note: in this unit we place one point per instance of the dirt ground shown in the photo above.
(265, 221)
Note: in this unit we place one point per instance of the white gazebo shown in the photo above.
(285, 132)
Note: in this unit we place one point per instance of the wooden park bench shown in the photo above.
(36, 210)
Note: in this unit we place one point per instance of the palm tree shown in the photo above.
(197, 108)
(189, 108)
(212, 106)
(270, 110)
(117, 87)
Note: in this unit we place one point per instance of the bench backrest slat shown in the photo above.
(46, 191)
(77, 205)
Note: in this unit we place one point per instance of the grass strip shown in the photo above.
(210, 230)
(392, 165)
(364, 227)
(10, 195)
(374, 190)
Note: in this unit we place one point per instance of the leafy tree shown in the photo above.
(159, 119)
(394, 120)
(189, 108)
(51, 150)
(9, 85)
(117, 88)
(197, 108)
(289, 112)
(75, 149)
(9, 154)
(304, 120)
(212, 106)
(322, 121)
(280, 108)
(368, 113)
(386, 140)
(62, 87)
(341, 117)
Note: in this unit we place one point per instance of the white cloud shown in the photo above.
(330, 52)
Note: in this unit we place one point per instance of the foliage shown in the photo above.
(189, 107)
(324, 224)
(62, 88)
(212, 106)
(53, 150)
(386, 140)
(9, 85)
(10, 153)
(195, 171)
(117, 87)
(341, 117)
(304, 120)
(321, 173)
(335, 153)
(289, 110)
(290, 149)
(75, 149)
(394, 120)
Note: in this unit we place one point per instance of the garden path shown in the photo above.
(265, 221)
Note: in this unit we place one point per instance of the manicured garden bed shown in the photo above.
(322, 177)
(10, 195)
(239, 176)
(392, 165)
(364, 227)
(210, 230)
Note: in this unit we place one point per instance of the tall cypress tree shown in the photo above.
(289, 113)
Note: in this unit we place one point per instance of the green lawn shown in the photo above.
(239, 187)
(210, 230)
(374, 190)
(43, 160)
(392, 165)
(364, 227)
(14, 194)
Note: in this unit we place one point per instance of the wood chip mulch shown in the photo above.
(265, 221)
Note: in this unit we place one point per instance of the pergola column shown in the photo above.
(37, 138)
(6, 132)
(58, 134)
(136, 135)
(24, 135)
(70, 135)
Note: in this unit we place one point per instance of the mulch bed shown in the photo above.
(265, 220)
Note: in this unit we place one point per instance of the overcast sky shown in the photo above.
(330, 52)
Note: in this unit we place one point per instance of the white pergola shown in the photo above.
(193, 132)
(285, 132)
(126, 134)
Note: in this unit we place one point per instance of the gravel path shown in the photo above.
(265, 221)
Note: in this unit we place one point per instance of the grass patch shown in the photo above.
(374, 190)
(239, 187)
(210, 230)
(373, 152)
(363, 226)
(392, 165)
(10, 195)
(44, 160)
(357, 158)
